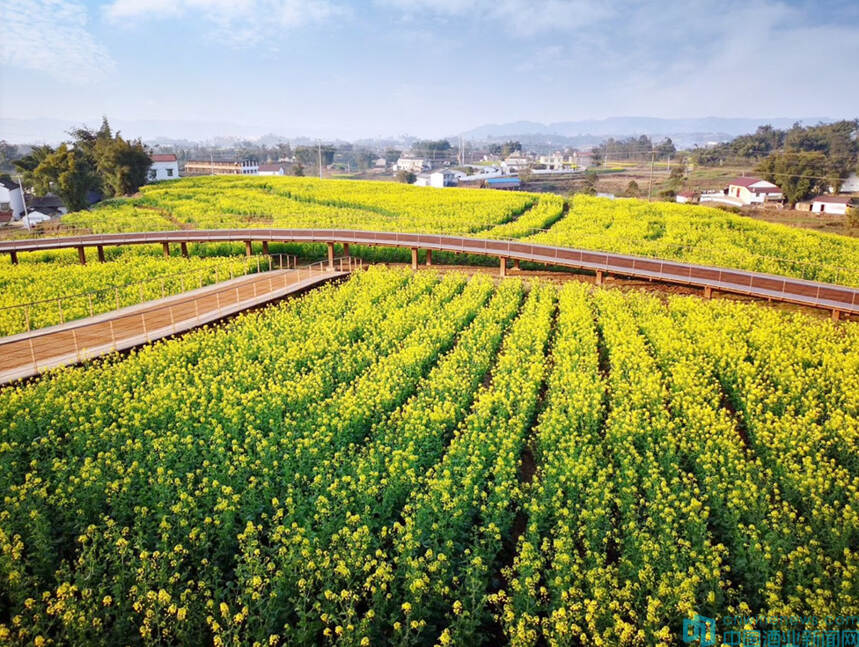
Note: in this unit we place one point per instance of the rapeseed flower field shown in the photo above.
(350, 467)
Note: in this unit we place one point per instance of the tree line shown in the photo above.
(803, 160)
(92, 163)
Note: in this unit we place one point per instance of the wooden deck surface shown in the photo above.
(31, 353)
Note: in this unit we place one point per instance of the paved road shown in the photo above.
(31, 353)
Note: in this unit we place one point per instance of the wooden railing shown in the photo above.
(838, 299)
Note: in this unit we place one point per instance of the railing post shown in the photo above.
(100, 249)
(166, 248)
(265, 247)
(414, 258)
(516, 264)
(14, 256)
(836, 315)
(599, 277)
(60, 309)
(330, 257)
(89, 298)
(346, 249)
(33, 354)
(502, 266)
(248, 248)
(81, 255)
(429, 257)
(708, 291)
(184, 247)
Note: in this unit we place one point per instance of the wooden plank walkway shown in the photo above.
(31, 353)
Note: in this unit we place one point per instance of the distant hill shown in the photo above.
(685, 132)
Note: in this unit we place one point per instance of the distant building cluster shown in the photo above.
(754, 191)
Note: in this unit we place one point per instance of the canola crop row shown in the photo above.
(352, 468)
(705, 236)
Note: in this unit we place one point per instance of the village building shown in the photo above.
(753, 190)
(412, 165)
(278, 168)
(831, 204)
(215, 167)
(164, 167)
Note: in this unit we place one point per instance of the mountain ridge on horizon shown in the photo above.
(692, 130)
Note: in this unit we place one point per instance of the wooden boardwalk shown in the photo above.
(29, 354)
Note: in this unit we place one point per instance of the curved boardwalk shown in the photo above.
(838, 299)
(31, 353)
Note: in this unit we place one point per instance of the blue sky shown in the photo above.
(429, 68)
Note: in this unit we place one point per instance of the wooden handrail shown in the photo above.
(773, 287)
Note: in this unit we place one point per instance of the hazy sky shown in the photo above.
(424, 67)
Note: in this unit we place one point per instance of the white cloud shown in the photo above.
(519, 17)
(239, 22)
(52, 36)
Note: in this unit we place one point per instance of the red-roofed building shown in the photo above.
(164, 167)
(753, 190)
(686, 196)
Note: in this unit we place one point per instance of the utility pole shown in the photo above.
(319, 161)
(24, 202)
(212, 161)
(650, 188)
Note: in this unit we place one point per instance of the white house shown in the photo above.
(753, 190)
(833, 204)
(164, 167)
(412, 165)
(11, 198)
(380, 162)
(515, 162)
(442, 178)
(685, 197)
(273, 169)
(556, 161)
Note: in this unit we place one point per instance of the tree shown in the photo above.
(509, 147)
(70, 174)
(298, 170)
(632, 190)
(665, 148)
(525, 174)
(26, 166)
(392, 155)
(284, 151)
(406, 177)
(364, 159)
(309, 155)
(434, 149)
(8, 154)
(800, 175)
(121, 166)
